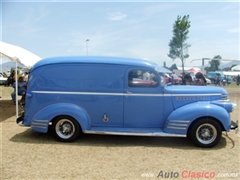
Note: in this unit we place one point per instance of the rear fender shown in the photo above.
(42, 119)
(180, 119)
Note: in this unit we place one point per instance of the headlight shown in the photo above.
(234, 105)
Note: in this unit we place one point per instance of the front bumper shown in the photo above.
(234, 126)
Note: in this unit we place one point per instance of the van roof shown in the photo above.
(98, 60)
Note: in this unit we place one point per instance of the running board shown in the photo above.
(134, 133)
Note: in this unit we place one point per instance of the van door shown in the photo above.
(143, 102)
(103, 100)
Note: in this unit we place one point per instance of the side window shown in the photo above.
(142, 78)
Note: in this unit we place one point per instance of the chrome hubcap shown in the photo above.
(65, 128)
(206, 133)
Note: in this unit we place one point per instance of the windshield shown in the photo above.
(162, 78)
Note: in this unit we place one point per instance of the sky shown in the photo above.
(139, 29)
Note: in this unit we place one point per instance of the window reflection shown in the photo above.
(142, 78)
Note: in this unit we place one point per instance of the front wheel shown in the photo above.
(206, 133)
(66, 129)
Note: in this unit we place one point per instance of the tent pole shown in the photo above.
(16, 88)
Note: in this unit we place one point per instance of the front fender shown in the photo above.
(180, 119)
(42, 118)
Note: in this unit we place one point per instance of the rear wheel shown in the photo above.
(206, 133)
(66, 129)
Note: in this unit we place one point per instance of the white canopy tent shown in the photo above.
(236, 68)
(16, 53)
(19, 56)
(231, 73)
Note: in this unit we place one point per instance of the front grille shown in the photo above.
(224, 97)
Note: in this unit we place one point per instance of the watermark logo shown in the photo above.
(171, 174)
(227, 175)
(199, 174)
(186, 174)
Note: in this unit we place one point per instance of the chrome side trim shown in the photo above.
(120, 94)
(179, 121)
(42, 124)
(174, 127)
(41, 121)
(177, 124)
(80, 93)
(213, 94)
(38, 124)
(162, 134)
(38, 127)
(172, 124)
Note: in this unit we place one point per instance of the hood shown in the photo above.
(194, 90)
(182, 95)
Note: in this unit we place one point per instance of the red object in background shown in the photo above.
(174, 79)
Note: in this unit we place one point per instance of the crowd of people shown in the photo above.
(199, 80)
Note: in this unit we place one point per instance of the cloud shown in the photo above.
(234, 30)
(117, 16)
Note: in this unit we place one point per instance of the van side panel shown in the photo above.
(78, 77)
(95, 89)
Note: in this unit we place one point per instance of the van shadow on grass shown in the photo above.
(30, 136)
(8, 109)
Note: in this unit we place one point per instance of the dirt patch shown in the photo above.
(27, 155)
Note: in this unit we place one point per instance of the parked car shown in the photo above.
(212, 77)
(174, 79)
(167, 78)
(2, 79)
(108, 95)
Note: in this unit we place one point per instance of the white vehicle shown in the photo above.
(2, 79)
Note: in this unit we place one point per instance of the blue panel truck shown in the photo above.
(121, 96)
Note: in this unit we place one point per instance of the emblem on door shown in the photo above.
(105, 118)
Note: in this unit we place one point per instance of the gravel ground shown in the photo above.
(27, 155)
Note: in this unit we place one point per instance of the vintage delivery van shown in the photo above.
(121, 96)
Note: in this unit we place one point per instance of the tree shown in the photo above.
(174, 66)
(178, 45)
(214, 64)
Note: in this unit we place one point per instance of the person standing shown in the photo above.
(21, 89)
(200, 80)
(217, 82)
(238, 79)
(188, 80)
(25, 78)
